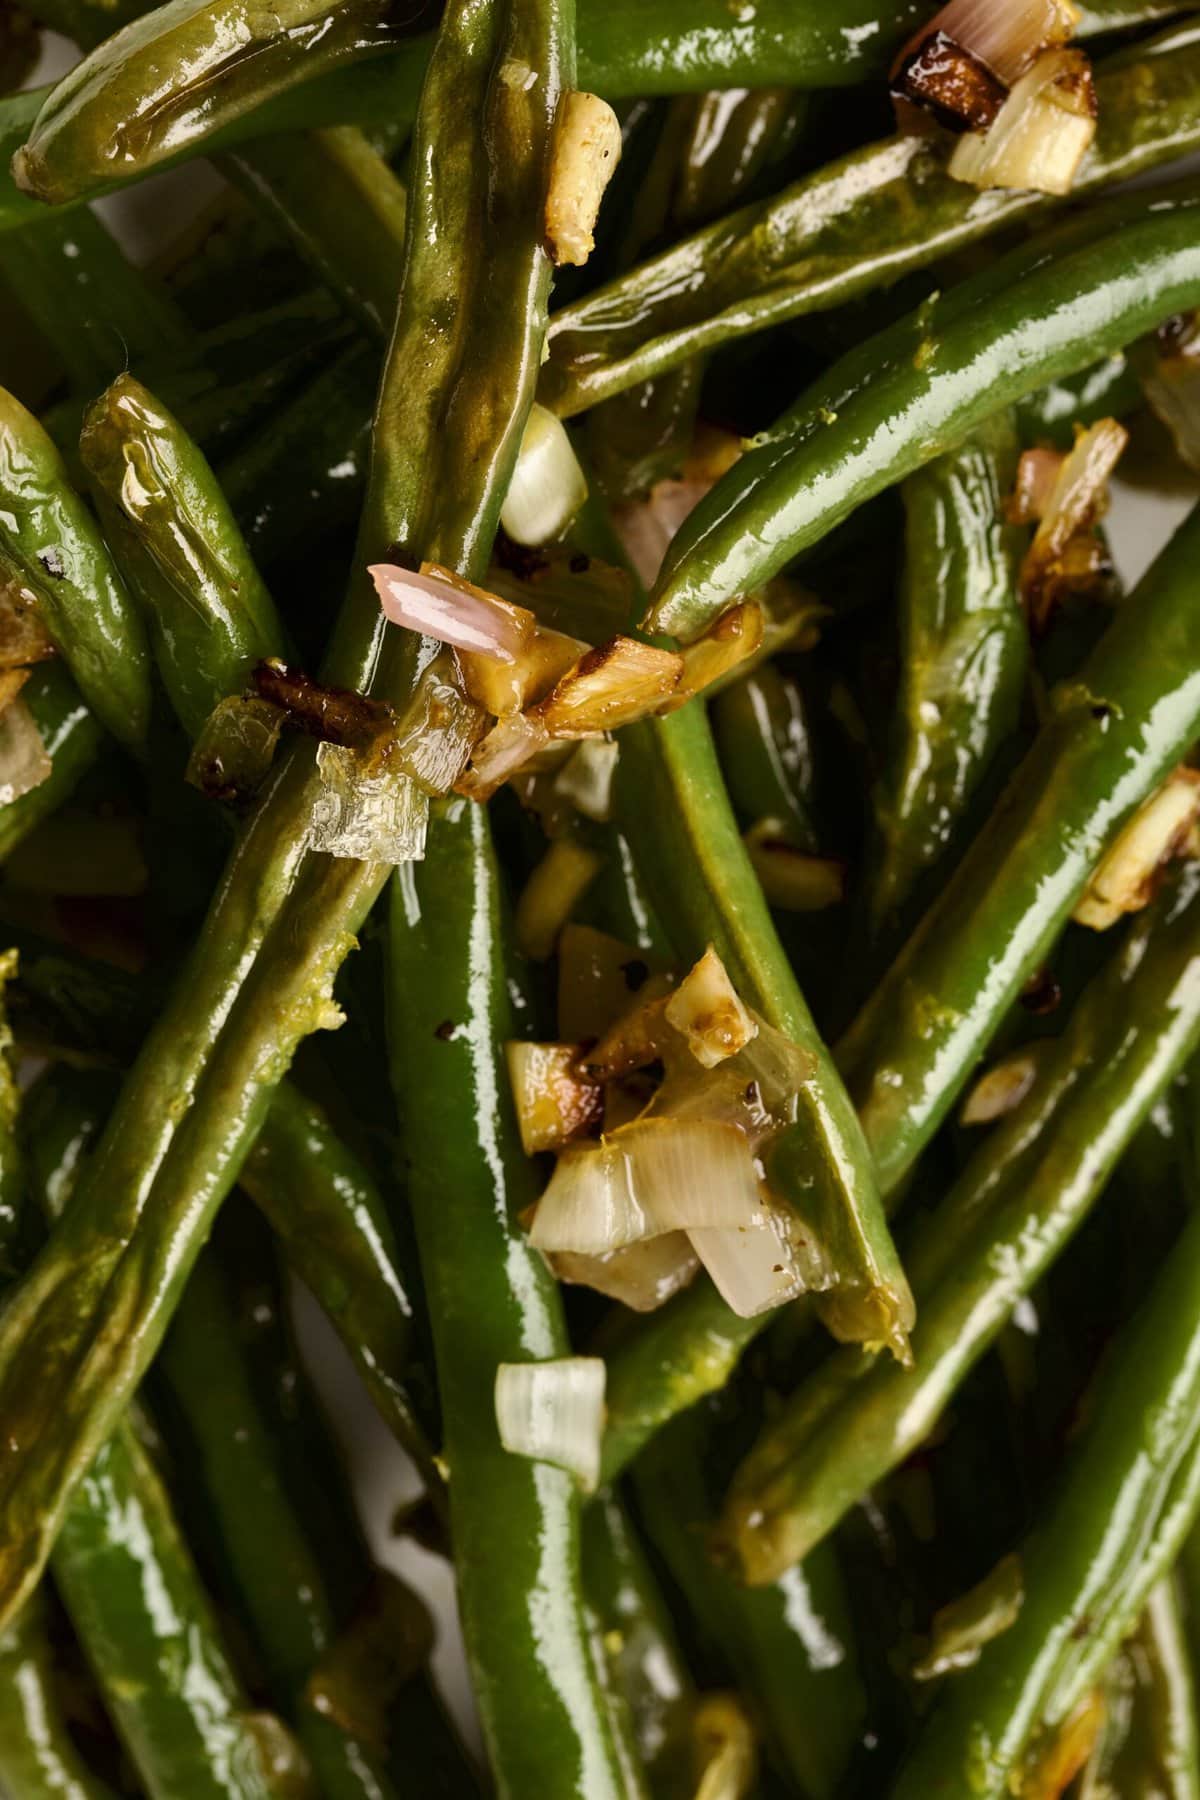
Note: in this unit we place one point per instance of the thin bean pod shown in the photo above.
(50, 545)
(964, 648)
(764, 730)
(845, 231)
(180, 549)
(39, 1759)
(904, 397)
(136, 1600)
(1011, 1212)
(283, 919)
(192, 77)
(789, 1645)
(1110, 738)
(1127, 1499)
(671, 802)
(492, 1299)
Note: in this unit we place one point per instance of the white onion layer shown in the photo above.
(553, 1412)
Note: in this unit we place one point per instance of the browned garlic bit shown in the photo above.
(583, 156)
(1161, 830)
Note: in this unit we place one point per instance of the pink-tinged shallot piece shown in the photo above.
(439, 604)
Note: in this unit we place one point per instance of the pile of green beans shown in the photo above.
(269, 965)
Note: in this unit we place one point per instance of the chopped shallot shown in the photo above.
(584, 153)
(441, 605)
(555, 1102)
(706, 1010)
(1041, 133)
(642, 1276)
(553, 1412)
(1164, 827)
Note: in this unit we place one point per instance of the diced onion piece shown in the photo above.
(962, 1629)
(791, 879)
(586, 778)
(553, 1412)
(440, 729)
(707, 1010)
(11, 682)
(589, 1206)
(1037, 477)
(647, 1178)
(507, 688)
(584, 153)
(439, 604)
(1162, 828)
(1041, 134)
(1077, 500)
(610, 686)
(23, 637)
(753, 1267)
(548, 487)
(508, 746)
(598, 976)
(642, 1276)
(235, 747)
(555, 1102)
(635, 1040)
(1001, 1089)
(1005, 35)
(550, 896)
(365, 816)
(725, 1753)
(756, 1090)
(735, 637)
(941, 78)
(24, 763)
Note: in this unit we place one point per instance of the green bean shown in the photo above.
(344, 1251)
(90, 304)
(314, 64)
(637, 1637)
(492, 1300)
(964, 655)
(72, 739)
(765, 732)
(672, 803)
(343, 208)
(1109, 739)
(1012, 1210)
(209, 612)
(1128, 1496)
(39, 1759)
(907, 395)
(259, 977)
(1110, 389)
(50, 546)
(136, 1600)
(789, 1644)
(845, 231)
(313, 450)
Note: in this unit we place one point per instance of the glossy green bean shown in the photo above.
(39, 1759)
(637, 1637)
(671, 802)
(1111, 736)
(492, 1300)
(904, 397)
(258, 980)
(1129, 1494)
(1110, 389)
(847, 230)
(789, 1645)
(343, 208)
(1011, 1212)
(135, 1597)
(175, 538)
(125, 116)
(764, 729)
(69, 271)
(50, 546)
(964, 649)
